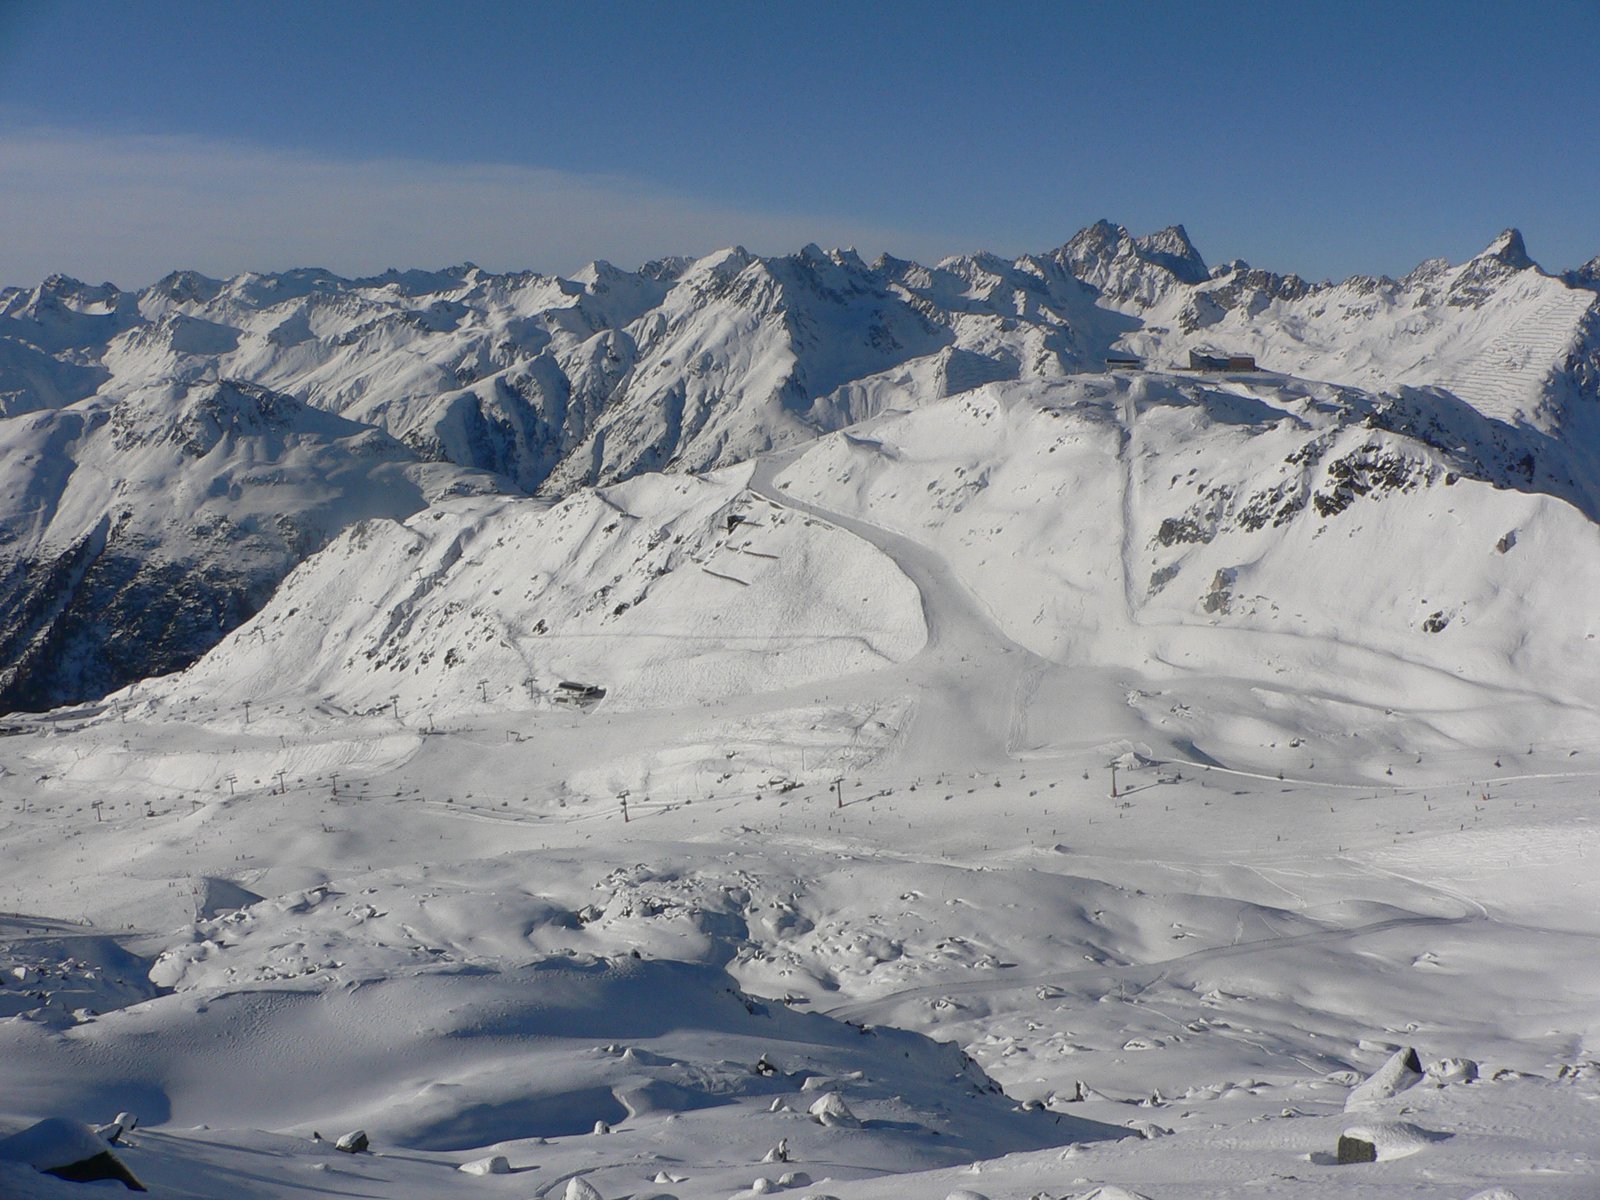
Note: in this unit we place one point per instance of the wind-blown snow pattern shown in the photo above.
(799, 725)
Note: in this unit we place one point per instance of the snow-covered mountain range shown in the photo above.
(170, 453)
(629, 726)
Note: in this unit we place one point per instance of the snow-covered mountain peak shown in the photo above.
(177, 290)
(1480, 278)
(1172, 249)
(1103, 239)
(65, 314)
(1134, 270)
(1586, 276)
(77, 295)
(198, 419)
(1508, 249)
(730, 260)
(598, 274)
(1426, 272)
(849, 258)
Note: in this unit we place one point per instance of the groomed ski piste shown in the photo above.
(975, 805)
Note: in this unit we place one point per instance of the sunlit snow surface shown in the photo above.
(848, 796)
(171, 453)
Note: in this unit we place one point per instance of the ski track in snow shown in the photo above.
(955, 674)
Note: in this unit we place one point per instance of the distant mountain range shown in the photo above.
(170, 455)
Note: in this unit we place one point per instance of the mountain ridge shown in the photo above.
(546, 385)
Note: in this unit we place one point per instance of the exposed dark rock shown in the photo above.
(98, 618)
(1220, 596)
(1355, 1150)
(354, 1142)
(68, 1150)
(1371, 470)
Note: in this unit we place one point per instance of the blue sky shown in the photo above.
(1326, 139)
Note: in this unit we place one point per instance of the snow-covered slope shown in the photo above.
(1357, 564)
(1182, 748)
(847, 796)
(135, 532)
(1496, 331)
(1360, 562)
(663, 590)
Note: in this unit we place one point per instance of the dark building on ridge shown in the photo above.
(1221, 362)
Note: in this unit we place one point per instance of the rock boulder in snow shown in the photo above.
(831, 1110)
(1403, 1070)
(68, 1150)
(1379, 1141)
(1355, 1150)
(354, 1142)
(1452, 1070)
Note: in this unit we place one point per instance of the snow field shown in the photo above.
(1293, 880)
(1230, 1010)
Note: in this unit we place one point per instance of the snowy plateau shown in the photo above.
(802, 725)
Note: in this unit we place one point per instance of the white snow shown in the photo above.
(1394, 1077)
(835, 864)
(495, 1164)
(1394, 1139)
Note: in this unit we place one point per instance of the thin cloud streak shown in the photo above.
(130, 208)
